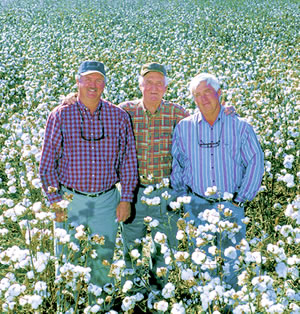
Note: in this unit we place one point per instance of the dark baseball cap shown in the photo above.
(88, 67)
(153, 67)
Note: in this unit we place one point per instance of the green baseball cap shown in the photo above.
(88, 67)
(153, 67)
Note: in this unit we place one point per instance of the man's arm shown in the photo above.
(49, 158)
(253, 159)
(128, 161)
(178, 164)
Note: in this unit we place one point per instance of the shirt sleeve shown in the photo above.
(178, 164)
(51, 153)
(253, 159)
(128, 164)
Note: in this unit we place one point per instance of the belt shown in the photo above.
(208, 199)
(143, 185)
(89, 194)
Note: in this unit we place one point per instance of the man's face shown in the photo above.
(207, 99)
(153, 88)
(90, 87)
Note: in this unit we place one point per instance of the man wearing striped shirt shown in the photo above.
(211, 149)
(89, 147)
(154, 120)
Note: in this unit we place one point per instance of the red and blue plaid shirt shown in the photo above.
(89, 152)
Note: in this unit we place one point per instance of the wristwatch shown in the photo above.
(239, 204)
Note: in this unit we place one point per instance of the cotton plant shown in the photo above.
(38, 264)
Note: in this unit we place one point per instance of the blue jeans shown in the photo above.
(198, 205)
(136, 229)
(99, 214)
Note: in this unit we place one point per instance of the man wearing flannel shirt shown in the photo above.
(154, 120)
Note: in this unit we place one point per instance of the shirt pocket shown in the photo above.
(109, 145)
(230, 151)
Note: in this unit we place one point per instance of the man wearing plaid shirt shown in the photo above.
(154, 120)
(89, 147)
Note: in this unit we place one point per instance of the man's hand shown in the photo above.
(123, 211)
(70, 99)
(229, 110)
(60, 213)
(60, 216)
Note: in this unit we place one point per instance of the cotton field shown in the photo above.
(252, 46)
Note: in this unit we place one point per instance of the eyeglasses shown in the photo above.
(211, 144)
(81, 128)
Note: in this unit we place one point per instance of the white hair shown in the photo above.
(210, 79)
(141, 79)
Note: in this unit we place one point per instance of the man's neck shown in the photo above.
(92, 106)
(212, 117)
(152, 107)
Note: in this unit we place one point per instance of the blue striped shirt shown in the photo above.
(234, 164)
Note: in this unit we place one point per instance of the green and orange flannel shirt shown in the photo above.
(153, 137)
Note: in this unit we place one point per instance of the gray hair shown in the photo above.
(141, 79)
(210, 79)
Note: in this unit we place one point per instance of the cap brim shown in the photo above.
(148, 71)
(90, 72)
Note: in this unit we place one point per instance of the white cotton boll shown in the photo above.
(211, 191)
(36, 183)
(127, 303)
(288, 161)
(63, 204)
(166, 195)
(227, 196)
(156, 201)
(181, 255)
(12, 189)
(198, 257)
(37, 206)
(127, 286)
(135, 254)
(149, 189)
(289, 180)
(187, 274)
(30, 274)
(35, 301)
(161, 306)
(175, 205)
(154, 223)
(178, 308)
(40, 286)
(160, 238)
(95, 308)
(180, 234)
(212, 250)
(168, 291)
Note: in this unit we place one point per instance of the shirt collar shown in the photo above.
(84, 108)
(221, 114)
(147, 111)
